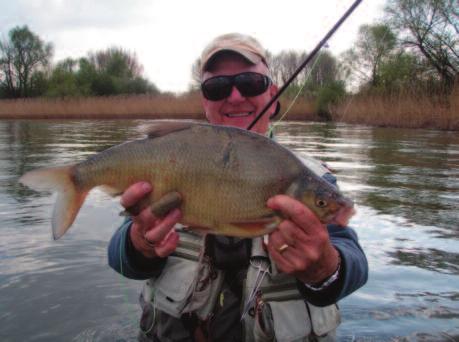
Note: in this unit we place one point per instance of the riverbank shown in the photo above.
(104, 107)
(396, 111)
(164, 106)
(401, 110)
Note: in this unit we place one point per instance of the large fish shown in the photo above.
(223, 175)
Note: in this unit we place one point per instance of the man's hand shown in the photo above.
(151, 236)
(300, 245)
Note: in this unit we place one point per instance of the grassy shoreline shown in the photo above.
(402, 110)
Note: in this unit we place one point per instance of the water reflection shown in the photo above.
(428, 258)
(409, 173)
(405, 184)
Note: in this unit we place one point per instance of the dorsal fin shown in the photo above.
(163, 127)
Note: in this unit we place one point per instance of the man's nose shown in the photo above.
(235, 96)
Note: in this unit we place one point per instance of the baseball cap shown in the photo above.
(244, 45)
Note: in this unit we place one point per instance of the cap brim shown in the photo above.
(249, 56)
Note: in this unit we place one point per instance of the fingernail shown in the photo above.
(177, 212)
(146, 186)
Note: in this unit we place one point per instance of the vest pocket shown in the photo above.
(175, 285)
(295, 321)
(290, 320)
(185, 286)
(324, 319)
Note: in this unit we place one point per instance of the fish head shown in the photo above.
(327, 203)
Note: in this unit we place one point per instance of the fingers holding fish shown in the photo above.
(133, 195)
(297, 212)
(308, 260)
(290, 233)
(155, 237)
(312, 256)
(167, 245)
(287, 242)
(289, 257)
(162, 237)
(150, 235)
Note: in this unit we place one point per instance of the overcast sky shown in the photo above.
(168, 35)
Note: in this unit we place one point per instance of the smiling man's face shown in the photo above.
(237, 110)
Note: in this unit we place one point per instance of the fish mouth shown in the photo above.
(343, 215)
(238, 115)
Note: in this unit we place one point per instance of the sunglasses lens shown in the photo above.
(248, 84)
(217, 88)
(251, 84)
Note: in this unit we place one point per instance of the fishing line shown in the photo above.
(306, 61)
(351, 97)
(262, 272)
(292, 102)
(346, 104)
(124, 281)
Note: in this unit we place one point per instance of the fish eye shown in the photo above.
(321, 203)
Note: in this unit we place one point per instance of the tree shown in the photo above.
(375, 44)
(402, 71)
(328, 95)
(284, 64)
(63, 80)
(323, 70)
(86, 76)
(431, 28)
(22, 55)
(116, 62)
(116, 71)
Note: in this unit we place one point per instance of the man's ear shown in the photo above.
(273, 91)
(204, 102)
(276, 111)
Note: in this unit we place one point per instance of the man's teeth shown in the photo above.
(238, 115)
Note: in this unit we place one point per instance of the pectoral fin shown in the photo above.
(169, 201)
(159, 208)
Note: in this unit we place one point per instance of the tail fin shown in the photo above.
(69, 198)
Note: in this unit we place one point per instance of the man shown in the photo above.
(281, 287)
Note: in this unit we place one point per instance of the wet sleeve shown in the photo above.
(329, 177)
(126, 260)
(353, 272)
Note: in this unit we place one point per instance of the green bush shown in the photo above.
(328, 95)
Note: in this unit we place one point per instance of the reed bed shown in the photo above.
(301, 110)
(187, 106)
(401, 110)
(110, 107)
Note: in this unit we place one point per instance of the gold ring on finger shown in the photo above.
(282, 248)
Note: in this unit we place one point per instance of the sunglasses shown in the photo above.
(247, 83)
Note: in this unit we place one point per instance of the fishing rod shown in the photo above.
(306, 61)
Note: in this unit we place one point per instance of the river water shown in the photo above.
(405, 184)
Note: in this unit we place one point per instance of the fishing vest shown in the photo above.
(189, 283)
(278, 312)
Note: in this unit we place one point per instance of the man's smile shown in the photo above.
(238, 115)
